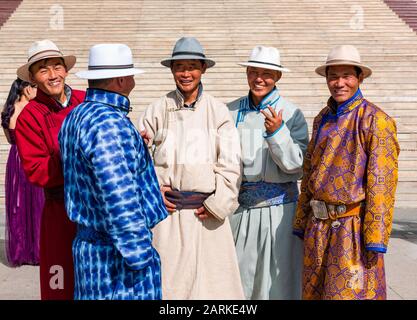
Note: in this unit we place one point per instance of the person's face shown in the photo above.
(261, 81)
(49, 76)
(187, 75)
(343, 82)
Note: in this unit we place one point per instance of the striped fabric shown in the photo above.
(111, 186)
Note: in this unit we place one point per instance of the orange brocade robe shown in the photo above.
(37, 131)
(352, 158)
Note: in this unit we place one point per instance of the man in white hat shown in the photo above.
(111, 189)
(274, 138)
(197, 159)
(37, 140)
(346, 205)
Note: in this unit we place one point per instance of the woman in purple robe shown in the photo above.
(24, 201)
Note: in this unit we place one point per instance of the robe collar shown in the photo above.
(247, 105)
(180, 98)
(269, 100)
(347, 106)
(50, 102)
(113, 99)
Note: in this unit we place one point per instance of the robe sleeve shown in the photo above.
(117, 189)
(148, 122)
(228, 171)
(303, 206)
(41, 163)
(382, 177)
(288, 145)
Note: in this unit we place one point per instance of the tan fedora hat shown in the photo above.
(346, 55)
(43, 49)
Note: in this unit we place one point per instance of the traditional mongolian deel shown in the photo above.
(196, 149)
(270, 256)
(112, 193)
(354, 163)
(24, 205)
(37, 140)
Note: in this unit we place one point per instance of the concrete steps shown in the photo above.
(7, 7)
(303, 30)
(406, 10)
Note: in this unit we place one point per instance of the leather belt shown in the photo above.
(56, 193)
(325, 211)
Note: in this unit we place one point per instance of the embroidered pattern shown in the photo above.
(352, 157)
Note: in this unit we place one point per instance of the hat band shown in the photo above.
(342, 61)
(268, 63)
(188, 53)
(43, 53)
(107, 67)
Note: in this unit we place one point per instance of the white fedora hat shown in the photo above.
(40, 50)
(187, 48)
(265, 57)
(346, 55)
(109, 60)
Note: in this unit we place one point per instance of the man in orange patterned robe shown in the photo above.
(345, 209)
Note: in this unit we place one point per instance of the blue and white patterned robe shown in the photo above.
(111, 187)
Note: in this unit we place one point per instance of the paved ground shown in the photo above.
(401, 264)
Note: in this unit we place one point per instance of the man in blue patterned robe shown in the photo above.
(111, 190)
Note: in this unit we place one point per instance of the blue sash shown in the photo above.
(264, 194)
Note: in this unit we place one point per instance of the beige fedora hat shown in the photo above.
(43, 49)
(346, 55)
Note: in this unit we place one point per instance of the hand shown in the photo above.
(29, 92)
(273, 121)
(145, 136)
(169, 205)
(202, 213)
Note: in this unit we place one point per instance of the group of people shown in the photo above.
(202, 201)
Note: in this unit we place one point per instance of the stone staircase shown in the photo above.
(7, 7)
(406, 10)
(303, 30)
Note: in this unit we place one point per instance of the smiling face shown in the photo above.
(49, 76)
(261, 81)
(343, 82)
(187, 76)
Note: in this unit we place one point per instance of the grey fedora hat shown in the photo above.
(187, 48)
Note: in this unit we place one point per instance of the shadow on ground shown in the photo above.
(406, 230)
(3, 258)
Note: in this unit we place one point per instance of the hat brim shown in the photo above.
(167, 62)
(365, 69)
(263, 66)
(108, 73)
(24, 73)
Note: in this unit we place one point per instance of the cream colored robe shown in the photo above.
(196, 150)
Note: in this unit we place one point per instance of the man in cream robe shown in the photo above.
(196, 153)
